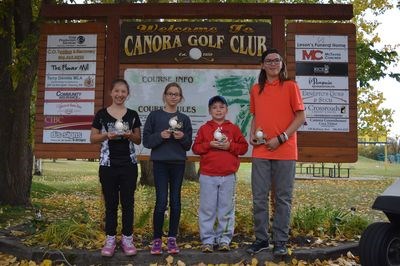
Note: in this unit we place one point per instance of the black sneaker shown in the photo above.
(280, 249)
(257, 246)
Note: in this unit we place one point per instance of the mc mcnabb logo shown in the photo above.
(312, 55)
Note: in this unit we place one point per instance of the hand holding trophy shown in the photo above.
(119, 127)
(260, 137)
(174, 125)
(219, 136)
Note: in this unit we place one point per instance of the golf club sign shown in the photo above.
(194, 43)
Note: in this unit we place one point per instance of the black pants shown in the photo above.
(119, 184)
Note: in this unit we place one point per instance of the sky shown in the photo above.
(388, 32)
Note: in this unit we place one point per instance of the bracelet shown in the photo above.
(285, 135)
(279, 139)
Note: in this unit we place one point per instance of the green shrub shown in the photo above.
(319, 221)
(309, 220)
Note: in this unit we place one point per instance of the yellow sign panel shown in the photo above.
(369, 139)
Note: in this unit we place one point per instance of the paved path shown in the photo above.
(13, 245)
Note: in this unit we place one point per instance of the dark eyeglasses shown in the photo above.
(272, 62)
(170, 94)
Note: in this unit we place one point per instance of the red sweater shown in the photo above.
(216, 162)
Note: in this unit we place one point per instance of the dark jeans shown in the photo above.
(167, 176)
(118, 185)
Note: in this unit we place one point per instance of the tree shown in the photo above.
(19, 33)
(372, 65)
(373, 120)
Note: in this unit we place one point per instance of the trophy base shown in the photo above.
(260, 141)
(120, 133)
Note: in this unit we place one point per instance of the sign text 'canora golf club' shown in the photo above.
(197, 42)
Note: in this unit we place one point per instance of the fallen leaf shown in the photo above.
(169, 260)
(180, 263)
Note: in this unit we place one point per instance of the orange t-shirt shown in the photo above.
(274, 110)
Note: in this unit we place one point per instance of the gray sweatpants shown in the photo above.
(217, 204)
(281, 173)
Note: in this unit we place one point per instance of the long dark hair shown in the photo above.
(262, 77)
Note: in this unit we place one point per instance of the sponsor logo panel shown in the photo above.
(66, 136)
(79, 40)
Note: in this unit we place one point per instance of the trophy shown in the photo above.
(119, 127)
(219, 136)
(174, 124)
(260, 136)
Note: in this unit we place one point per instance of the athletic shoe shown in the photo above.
(207, 248)
(280, 248)
(172, 246)
(109, 246)
(224, 246)
(156, 247)
(257, 246)
(127, 245)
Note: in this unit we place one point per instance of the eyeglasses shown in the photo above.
(272, 62)
(170, 94)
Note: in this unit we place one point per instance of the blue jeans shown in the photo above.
(167, 176)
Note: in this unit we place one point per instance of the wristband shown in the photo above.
(279, 139)
(285, 135)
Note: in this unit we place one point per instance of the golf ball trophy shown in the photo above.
(219, 136)
(174, 124)
(119, 127)
(260, 137)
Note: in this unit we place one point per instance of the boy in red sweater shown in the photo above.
(219, 143)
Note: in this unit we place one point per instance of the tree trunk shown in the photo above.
(146, 171)
(16, 82)
(190, 172)
(37, 168)
(147, 176)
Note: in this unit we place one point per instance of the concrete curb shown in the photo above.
(14, 246)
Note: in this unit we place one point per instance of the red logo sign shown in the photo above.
(313, 55)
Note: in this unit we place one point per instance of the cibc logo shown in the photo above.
(312, 55)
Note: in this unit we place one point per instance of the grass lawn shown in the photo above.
(70, 190)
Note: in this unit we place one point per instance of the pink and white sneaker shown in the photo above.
(127, 245)
(109, 247)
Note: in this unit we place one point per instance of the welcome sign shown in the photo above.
(194, 42)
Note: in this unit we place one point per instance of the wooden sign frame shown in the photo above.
(313, 146)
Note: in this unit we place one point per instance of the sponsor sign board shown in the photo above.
(71, 54)
(73, 41)
(66, 136)
(68, 108)
(63, 122)
(322, 72)
(70, 81)
(70, 68)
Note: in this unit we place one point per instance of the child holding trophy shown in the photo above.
(219, 143)
(117, 128)
(277, 108)
(168, 133)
